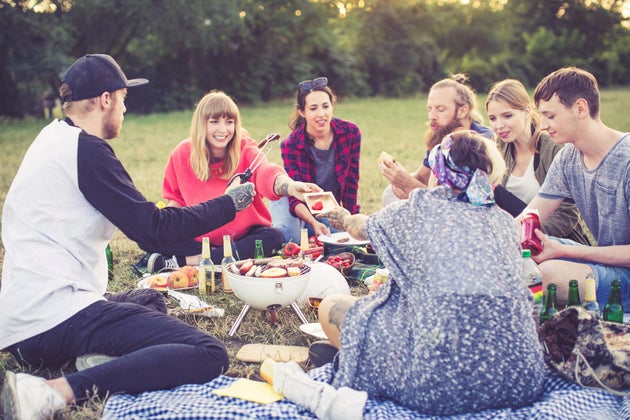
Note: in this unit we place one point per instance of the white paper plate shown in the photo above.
(335, 238)
(314, 329)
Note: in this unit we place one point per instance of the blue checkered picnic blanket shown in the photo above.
(561, 400)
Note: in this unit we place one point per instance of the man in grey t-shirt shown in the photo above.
(594, 171)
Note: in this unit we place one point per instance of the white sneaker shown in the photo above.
(321, 398)
(28, 397)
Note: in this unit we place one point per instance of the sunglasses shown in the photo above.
(317, 83)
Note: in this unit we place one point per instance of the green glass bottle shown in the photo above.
(574, 294)
(550, 308)
(613, 311)
(258, 251)
(110, 263)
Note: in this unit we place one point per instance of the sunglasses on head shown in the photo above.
(317, 83)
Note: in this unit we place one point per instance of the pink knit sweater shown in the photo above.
(182, 185)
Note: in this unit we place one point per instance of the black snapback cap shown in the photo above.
(94, 74)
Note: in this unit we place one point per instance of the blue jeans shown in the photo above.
(604, 275)
(157, 351)
(281, 218)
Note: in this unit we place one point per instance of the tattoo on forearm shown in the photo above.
(281, 186)
(242, 196)
(338, 312)
(356, 227)
(336, 217)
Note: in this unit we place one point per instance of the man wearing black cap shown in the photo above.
(69, 195)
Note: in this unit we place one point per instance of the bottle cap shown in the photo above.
(527, 253)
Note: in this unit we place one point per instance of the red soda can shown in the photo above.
(529, 240)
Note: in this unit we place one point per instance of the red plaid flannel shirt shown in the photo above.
(300, 165)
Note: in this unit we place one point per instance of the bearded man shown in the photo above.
(452, 105)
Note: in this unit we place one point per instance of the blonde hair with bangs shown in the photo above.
(513, 94)
(213, 105)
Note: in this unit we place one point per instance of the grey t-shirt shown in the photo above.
(325, 175)
(602, 195)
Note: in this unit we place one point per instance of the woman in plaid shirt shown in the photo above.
(321, 149)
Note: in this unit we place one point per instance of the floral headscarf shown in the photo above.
(475, 185)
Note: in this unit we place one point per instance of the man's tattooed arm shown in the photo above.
(242, 195)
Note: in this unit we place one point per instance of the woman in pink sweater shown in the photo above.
(200, 167)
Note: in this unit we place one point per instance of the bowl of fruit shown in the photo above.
(268, 281)
(344, 261)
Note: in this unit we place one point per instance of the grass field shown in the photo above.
(394, 125)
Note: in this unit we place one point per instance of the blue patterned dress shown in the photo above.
(452, 331)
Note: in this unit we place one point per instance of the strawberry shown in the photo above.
(318, 205)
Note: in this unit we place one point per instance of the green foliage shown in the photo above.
(257, 50)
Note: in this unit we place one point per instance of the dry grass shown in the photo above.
(394, 125)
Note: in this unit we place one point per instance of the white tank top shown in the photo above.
(524, 187)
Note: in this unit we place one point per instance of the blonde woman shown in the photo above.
(528, 153)
(200, 167)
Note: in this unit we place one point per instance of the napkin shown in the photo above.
(246, 389)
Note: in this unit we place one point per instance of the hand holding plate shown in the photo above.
(297, 189)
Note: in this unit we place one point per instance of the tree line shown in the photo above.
(257, 50)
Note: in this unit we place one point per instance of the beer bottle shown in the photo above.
(227, 260)
(258, 251)
(574, 295)
(110, 263)
(206, 269)
(550, 308)
(613, 310)
(590, 297)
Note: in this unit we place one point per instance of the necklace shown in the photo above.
(216, 169)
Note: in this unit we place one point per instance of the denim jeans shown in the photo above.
(156, 351)
(281, 218)
(604, 275)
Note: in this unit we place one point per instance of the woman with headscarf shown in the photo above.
(452, 330)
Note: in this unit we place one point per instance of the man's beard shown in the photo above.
(111, 127)
(434, 137)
